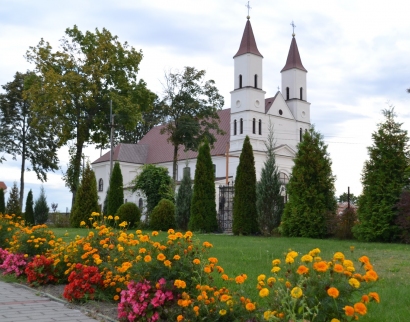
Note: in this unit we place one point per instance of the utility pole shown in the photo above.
(111, 138)
(348, 197)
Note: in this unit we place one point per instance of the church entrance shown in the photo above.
(225, 209)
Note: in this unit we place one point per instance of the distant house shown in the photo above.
(342, 206)
(3, 186)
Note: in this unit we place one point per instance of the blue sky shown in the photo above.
(356, 53)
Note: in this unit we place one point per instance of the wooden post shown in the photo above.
(227, 162)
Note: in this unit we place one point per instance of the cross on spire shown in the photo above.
(294, 26)
(249, 7)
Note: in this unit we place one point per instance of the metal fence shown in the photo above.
(225, 209)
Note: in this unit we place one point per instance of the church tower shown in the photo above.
(247, 98)
(294, 89)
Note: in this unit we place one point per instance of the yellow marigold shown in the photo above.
(154, 233)
(314, 252)
(271, 281)
(289, 260)
(167, 263)
(302, 270)
(360, 308)
(177, 257)
(374, 296)
(334, 320)
(349, 310)
(180, 318)
(306, 259)
(110, 217)
(275, 269)
(276, 262)
(320, 266)
(171, 231)
(120, 249)
(333, 292)
(261, 277)
(82, 223)
(268, 314)
(250, 306)
(142, 250)
(296, 292)
(264, 292)
(338, 268)
(347, 263)
(207, 244)
(239, 279)
(123, 224)
(222, 312)
(354, 282)
(180, 284)
(196, 261)
(116, 218)
(288, 284)
(339, 256)
(161, 257)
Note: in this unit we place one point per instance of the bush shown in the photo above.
(403, 217)
(346, 222)
(163, 216)
(130, 213)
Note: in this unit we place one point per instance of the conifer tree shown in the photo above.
(203, 206)
(244, 203)
(2, 202)
(13, 203)
(269, 202)
(183, 201)
(384, 176)
(116, 193)
(310, 188)
(41, 209)
(86, 201)
(29, 211)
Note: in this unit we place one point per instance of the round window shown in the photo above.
(280, 112)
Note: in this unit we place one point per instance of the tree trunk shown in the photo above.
(77, 168)
(174, 163)
(23, 164)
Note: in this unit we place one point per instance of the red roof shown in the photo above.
(3, 185)
(248, 43)
(293, 60)
(154, 147)
(269, 101)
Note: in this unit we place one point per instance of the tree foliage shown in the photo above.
(163, 216)
(2, 202)
(384, 176)
(244, 203)
(343, 198)
(269, 201)
(155, 183)
(116, 193)
(403, 217)
(86, 201)
(76, 83)
(311, 189)
(29, 210)
(20, 136)
(183, 201)
(41, 209)
(203, 206)
(191, 106)
(13, 203)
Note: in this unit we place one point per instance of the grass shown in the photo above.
(253, 256)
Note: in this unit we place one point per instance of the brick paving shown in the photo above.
(18, 304)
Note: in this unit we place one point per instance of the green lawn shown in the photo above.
(253, 256)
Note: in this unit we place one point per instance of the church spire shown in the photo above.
(293, 60)
(248, 43)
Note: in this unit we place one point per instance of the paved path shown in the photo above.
(18, 304)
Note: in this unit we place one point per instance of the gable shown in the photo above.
(285, 151)
(279, 104)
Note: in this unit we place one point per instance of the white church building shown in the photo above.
(249, 114)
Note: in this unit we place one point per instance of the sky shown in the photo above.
(356, 53)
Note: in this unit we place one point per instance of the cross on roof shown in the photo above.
(294, 26)
(249, 7)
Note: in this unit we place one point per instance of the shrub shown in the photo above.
(163, 215)
(14, 264)
(40, 271)
(347, 220)
(403, 216)
(83, 282)
(130, 213)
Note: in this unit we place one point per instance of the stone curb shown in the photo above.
(67, 304)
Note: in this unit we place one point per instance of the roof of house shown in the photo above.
(3, 185)
(248, 43)
(293, 60)
(269, 101)
(154, 147)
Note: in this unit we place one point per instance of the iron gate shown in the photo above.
(225, 211)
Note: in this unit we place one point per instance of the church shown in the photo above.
(249, 114)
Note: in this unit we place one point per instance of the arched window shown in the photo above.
(234, 127)
(287, 93)
(241, 127)
(140, 203)
(100, 185)
(260, 127)
(256, 81)
(254, 126)
(284, 180)
(240, 81)
(301, 93)
(300, 134)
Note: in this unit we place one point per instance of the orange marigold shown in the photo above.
(333, 292)
(371, 276)
(375, 296)
(364, 260)
(320, 266)
(338, 268)
(239, 279)
(365, 298)
(360, 308)
(250, 306)
(349, 310)
(161, 257)
(302, 270)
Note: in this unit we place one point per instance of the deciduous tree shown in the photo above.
(343, 198)
(192, 105)
(116, 193)
(384, 176)
(76, 83)
(310, 188)
(203, 206)
(20, 136)
(244, 204)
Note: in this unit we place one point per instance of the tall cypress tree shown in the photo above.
(13, 203)
(269, 202)
(29, 211)
(384, 176)
(116, 192)
(310, 188)
(2, 202)
(244, 203)
(183, 201)
(203, 206)
(41, 209)
(86, 201)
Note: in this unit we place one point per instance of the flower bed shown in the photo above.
(170, 276)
